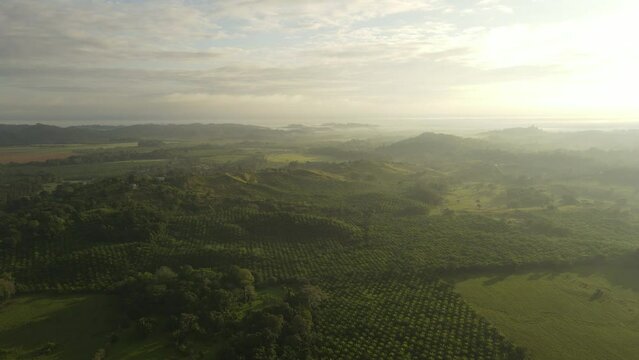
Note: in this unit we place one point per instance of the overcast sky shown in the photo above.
(307, 61)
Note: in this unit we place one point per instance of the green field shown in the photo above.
(289, 157)
(77, 324)
(96, 170)
(582, 314)
(283, 246)
(80, 325)
(25, 154)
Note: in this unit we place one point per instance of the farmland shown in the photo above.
(284, 248)
(34, 153)
(319, 180)
(56, 327)
(584, 313)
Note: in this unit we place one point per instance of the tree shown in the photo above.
(518, 353)
(430, 194)
(7, 287)
(100, 355)
(245, 278)
(164, 274)
(188, 323)
(144, 326)
(11, 238)
(312, 295)
(569, 199)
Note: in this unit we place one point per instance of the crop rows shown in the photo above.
(438, 243)
(395, 318)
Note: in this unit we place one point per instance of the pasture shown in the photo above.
(585, 313)
(26, 154)
(56, 327)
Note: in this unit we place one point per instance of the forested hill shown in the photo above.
(46, 134)
(493, 159)
(439, 146)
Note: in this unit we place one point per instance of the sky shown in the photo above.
(283, 61)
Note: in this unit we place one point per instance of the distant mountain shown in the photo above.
(533, 138)
(198, 132)
(348, 125)
(46, 134)
(495, 160)
(520, 131)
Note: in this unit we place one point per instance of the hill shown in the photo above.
(434, 145)
(12, 135)
(538, 139)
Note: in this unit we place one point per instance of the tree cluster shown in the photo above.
(204, 305)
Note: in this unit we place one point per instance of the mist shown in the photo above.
(304, 180)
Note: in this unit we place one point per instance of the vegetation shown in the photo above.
(239, 242)
(590, 310)
(7, 287)
(56, 326)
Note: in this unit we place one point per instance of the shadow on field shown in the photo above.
(495, 279)
(621, 271)
(549, 275)
(74, 329)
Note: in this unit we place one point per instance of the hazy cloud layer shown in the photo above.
(280, 60)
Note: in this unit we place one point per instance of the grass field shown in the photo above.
(465, 197)
(25, 154)
(582, 314)
(77, 324)
(285, 158)
(94, 170)
(131, 347)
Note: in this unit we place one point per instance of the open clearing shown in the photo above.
(286, 158)
(77, 324)
(581, 314)
(26, 154)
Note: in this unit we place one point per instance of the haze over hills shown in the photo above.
(336, 241)
(524, 138)
(319, 180)
(47, 134)
(535, 138)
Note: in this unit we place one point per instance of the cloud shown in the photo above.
(494, 5)
(191, 59)
(260, 15)
(98, 31)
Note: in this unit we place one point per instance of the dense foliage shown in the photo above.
(346, 255)
(199, 304)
